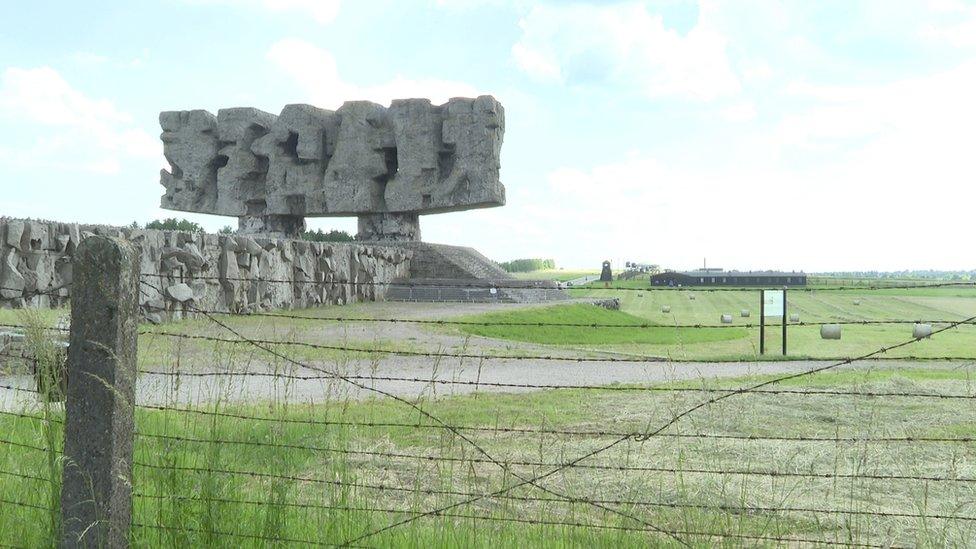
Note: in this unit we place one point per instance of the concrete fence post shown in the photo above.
(96, 494)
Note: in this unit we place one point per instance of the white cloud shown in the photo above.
(316, 72)
(625, 44)
(755, 71)
(536, 64)
(71, 127)
(877, 176)
(934, 113)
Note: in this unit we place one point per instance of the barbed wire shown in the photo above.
(420, 410)
(503, 284)
(630, 434)
(437, 354)
(541, 431)
(485, 323)
(625, 502)
(26, 294)
(725, 393)
(604, 467)
(276, 539)
(25, 504)
(552, 386)
(21, 389)
(650, 434)
(545, 522)
(28, 416)
(639, 359)
(28, 446)
(24, 476)
(44, 328)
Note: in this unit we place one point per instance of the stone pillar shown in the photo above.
(389, 227)
(96, 493)
(272, 226)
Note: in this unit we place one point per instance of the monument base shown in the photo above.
(439, 272)
(272, 226)
(389, 227)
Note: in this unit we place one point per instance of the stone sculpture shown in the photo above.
(217, 272)
(387, 166)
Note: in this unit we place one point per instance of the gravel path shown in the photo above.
(253, 387)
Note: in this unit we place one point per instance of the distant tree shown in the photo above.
(226, 229)
(528, 265)
(332, 236)
(173, 224)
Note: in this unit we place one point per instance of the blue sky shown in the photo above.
(759, 134)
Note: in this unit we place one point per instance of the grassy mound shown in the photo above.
(586, 335)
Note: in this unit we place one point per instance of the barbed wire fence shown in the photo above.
(377, 489)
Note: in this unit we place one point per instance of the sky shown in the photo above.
(779, 134)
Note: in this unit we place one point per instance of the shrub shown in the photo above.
(332, 236)
(528, 265)
(173, 224)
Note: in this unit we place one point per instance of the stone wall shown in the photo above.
(217, 272)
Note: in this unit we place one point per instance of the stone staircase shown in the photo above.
(443, 261)
(439, 272)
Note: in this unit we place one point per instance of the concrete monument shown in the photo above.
(385, 165)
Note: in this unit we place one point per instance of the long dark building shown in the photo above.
(719, 277)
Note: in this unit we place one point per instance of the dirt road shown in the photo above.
(414, 377)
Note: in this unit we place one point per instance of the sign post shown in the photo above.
(762, 322)
(773, 303)
(784, 321)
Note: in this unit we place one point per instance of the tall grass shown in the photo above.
(302, 481)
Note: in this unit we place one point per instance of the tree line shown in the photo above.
(528, 265)
(185, 225)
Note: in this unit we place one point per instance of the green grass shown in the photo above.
(578, 313)
(178, 483)
(818, 306)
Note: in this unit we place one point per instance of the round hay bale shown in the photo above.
(665, 308)
(744, 313)
(691, 297)
(794, 317)
(726, 319)
(857, 302)
(830, 331)
(922, 331)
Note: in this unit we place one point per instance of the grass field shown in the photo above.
(335, 482)
(584, 314)
(929, 304)
(327, 469)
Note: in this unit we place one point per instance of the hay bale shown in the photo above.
(665, 308)
(922, 331)
(726, 319)
(744, 313)
(794, 317)
(830, 331)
